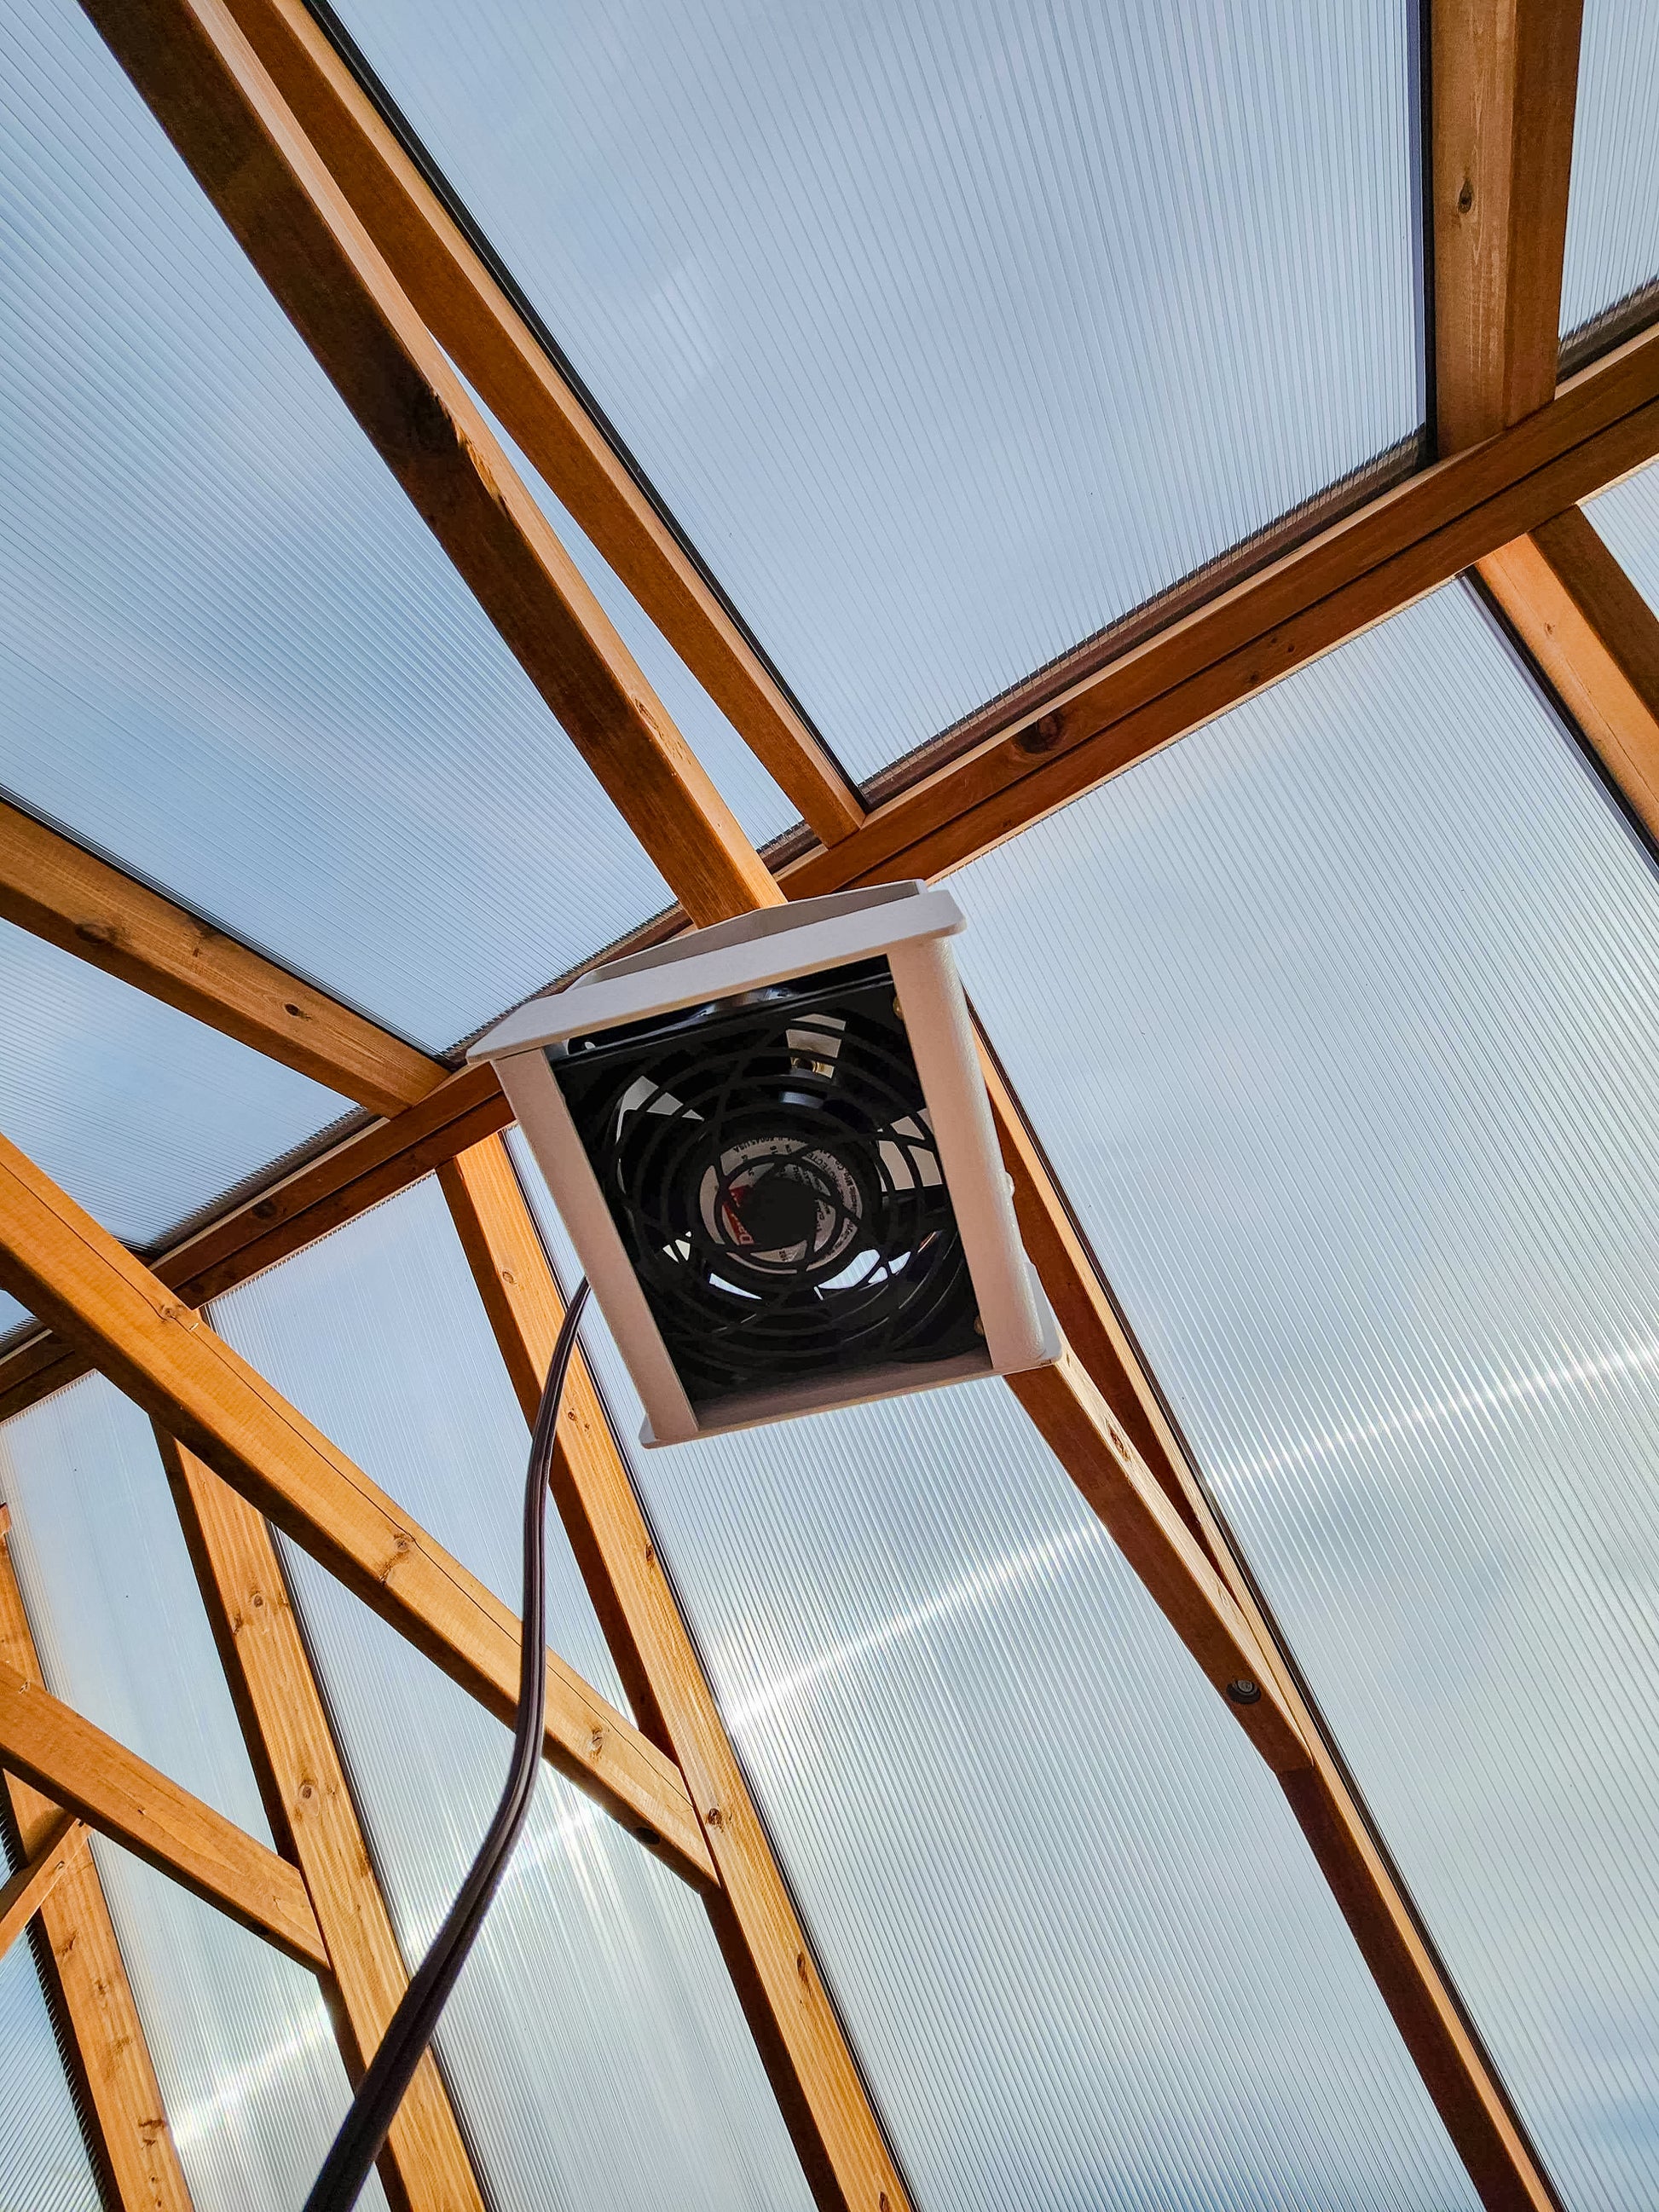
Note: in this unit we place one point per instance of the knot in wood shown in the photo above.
(1042, 737)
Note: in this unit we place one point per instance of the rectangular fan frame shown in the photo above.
(909, 925)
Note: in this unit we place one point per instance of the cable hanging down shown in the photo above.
(364, 2129)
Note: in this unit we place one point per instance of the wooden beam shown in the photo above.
(80, 1959)
(801, 2041)
(54, 889)
(1073, 1420)
(500, 355)
(27, 1892)
(1455, 2068)
(1503, 83)
(77, 1765)
(373, 1164)
(79, 1279)
(1596, 641)
(211, 96)
(424, 2166)
(1057, 745)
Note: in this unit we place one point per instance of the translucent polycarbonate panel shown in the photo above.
(1613, 202)
(231, 652)
(12, 1316)
(250, 2073)
(1086, 1956)
(953, 329)
(44, 2166)
(596, 1989)
(141, 1113)
(1627, 517)
(1338, 1021)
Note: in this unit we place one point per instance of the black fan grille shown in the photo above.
(771, 1169)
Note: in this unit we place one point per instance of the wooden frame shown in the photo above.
(208, 90)
(266, 1228)
(59, 890)
(22, 1897)
(424, 2166)
(806, 2054)
(1063, 742)
(81, 1961)
(1502, 132)
(1504, 82)
(190, 1381)
(1456, 2070)
(48, 1744)
(482, 330)
(1596, 639)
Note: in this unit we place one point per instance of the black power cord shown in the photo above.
(363, 2130)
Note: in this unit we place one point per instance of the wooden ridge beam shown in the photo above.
(1600, 424)
(122, 1797)
(1596, 641)
(77, 1278)
(56, 889)
(1455, 2068)
(210, 95)
(801, 2042)
(424, 2166)
(1504, 82)
(27, 1892)
(132, 2142)
(373, 1164)
(490, 342)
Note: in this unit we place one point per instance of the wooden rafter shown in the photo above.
(373, 1164)
(1596, 427)
(1602, 424)
(794, 2024)
(215, 102)
(488, 341)
(1455, 2068)
(22, 1897)
(1504, 82)
(81, 1768)
(74, 1274)
(121, 2097)
(59, 890)
(424, 2166)
(1596, 639)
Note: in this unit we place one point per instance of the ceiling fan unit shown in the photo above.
(771, 1145)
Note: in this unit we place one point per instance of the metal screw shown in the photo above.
(1243, 1691)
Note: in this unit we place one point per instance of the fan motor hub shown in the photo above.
(780, 1204)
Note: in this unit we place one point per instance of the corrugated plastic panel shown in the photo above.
(950, 330)
(1613, 204)
(250, 2073)
(44, 2166)
(596, 1979)
(1627, 517)
(232, 654)
(1083, 1947)
(141, 1114)
(1337, 1019)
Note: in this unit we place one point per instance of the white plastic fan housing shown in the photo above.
(909, 926)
